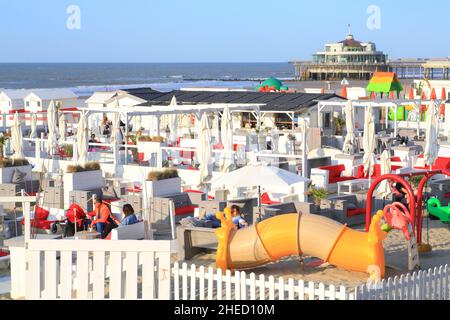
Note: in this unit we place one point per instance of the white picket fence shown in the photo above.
(86, 269)
(432, 284)
(200, 283)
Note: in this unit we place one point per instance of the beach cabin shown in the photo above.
(11, 101)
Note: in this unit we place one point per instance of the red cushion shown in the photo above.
(396, 159)
(265, 199)
(80, 214)
(355, 212)
(41, 214)
(340, 179)
(447, 195)
(3, 254)
(141, 156)
(185, 210)
(334, 172)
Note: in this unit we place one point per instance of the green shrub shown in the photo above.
(7, 163)
(162, 175)
(90, 166)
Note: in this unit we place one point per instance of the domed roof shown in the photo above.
(272, 82)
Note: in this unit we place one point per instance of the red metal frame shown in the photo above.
(416, 203)
(396, 178)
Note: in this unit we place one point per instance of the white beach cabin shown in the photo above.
(38, 101)
(10, 102)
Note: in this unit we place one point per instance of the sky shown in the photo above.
(215, 31)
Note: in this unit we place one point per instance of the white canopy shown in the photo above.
(116, 132)
(51, 123)
(258, 175)
(82, 141)
(16, 138)
(431, 147)
(227, 141)
(369, 142)
(204, 152)
(350, 139)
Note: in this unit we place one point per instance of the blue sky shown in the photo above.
(214, 31)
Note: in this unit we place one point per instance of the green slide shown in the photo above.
(435, 210)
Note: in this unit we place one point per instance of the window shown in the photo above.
(327, 120)
(38, 103)
(28, 103)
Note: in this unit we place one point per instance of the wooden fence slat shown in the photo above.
(193, 275)
(184, 274)
(219, 284)
(301, 290)
(252, 286)
(66, 275)
(34, 275)
(243, 285)
(237, 285)
(115, 282)
(131, 270)
(148, 276)
(291, 292)
(311, 290)
(281, 288)
(201, 280)
(271, 288)
(82, 275)
(262, 287)
(98, 289)
(210, 283)
(228, 285)
(176, 281)
(164, 275)
(50, 275)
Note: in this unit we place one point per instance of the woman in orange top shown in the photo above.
(104, 220)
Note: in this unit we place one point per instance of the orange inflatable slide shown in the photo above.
(298, 234)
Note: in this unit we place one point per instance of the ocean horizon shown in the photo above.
(86, 77)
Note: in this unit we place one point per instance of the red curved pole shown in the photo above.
(424, 180)
(395, 178)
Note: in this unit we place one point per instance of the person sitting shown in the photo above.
(77, 220)
(400, 193)
(130, 218)
(104, 220)
(237, 219)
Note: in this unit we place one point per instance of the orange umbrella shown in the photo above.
(411, 93)
(391, 95)
(344, 92)
(443, 98)
(424, 96)
(433, 95)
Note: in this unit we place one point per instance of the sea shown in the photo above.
(85, 78)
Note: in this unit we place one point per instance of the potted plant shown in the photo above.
(3, 140)
(317, 194)
(339, 125)
(162, 183)
(9, 166)
(82, 178)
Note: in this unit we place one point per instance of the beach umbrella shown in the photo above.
(369, 142)
(350, 139)
(116, 132)
(431, 134)
(82, 140)
(204, 153)
(226, 135)
(62, 127)
(443, 98)
(33, 133)
(275, 140)
(173, 122)
(16, 138)
(385, 163)
(344, 92)
(51, 124)
(258, 175)
(411, 93)
(433, 95)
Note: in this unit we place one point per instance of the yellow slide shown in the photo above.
(297, 234)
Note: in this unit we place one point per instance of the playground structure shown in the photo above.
(313, 235)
